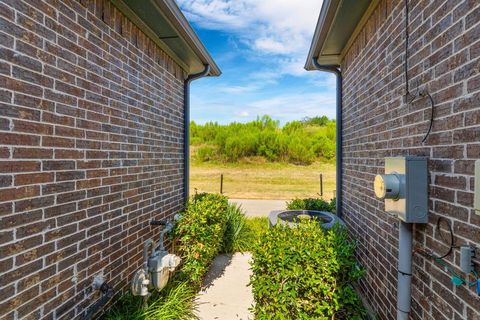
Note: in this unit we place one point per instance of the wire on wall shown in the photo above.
(410, 97)
(456, 278)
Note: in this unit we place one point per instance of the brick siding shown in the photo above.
(91, 148)
(445, 58)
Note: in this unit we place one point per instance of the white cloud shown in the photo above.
(285, 107)
(283, 28)
(238, 89)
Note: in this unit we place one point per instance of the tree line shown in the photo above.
(300, 142)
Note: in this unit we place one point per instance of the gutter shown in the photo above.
(186, 128)
(339, 124)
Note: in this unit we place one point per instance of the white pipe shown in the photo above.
(404, 291)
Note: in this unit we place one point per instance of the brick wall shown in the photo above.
(91, 140)
(445, 58)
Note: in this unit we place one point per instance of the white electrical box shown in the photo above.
(476, 202)
(404, 186)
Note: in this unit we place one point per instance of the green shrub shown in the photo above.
(206, 153)
(298, 152)
(312, 204)
(200, 233)
(304, 272)
(254, 230)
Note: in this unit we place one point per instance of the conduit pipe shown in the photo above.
(339, 124)
(186, 128)
(404, 291)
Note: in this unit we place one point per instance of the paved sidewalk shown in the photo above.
(225, 295)
(259, 208)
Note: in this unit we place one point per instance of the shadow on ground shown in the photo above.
(217, 269)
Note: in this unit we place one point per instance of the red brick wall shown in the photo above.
(91, 140)
(445, 58)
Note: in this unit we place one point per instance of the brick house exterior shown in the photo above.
(444, 57)
(91, 148)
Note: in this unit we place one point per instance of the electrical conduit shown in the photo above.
(404, 291)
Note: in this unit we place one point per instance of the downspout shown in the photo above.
(186, 128)
(339, 124)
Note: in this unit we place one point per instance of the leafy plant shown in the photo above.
(255, 228)
(200, 234)
(312, 204)
(305, 272)
(235, 239)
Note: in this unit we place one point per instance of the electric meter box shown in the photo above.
(404, 186)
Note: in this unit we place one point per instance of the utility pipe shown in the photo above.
(339, 124)
(404, 291)
(186, 128)
(107, 294)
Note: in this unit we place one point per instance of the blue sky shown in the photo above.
(261, 47)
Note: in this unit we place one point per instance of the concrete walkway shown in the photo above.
(225, 295)
(259, 208)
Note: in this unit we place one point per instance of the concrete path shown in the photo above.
(259, 208)
(225, 295)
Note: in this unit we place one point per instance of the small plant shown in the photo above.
(174, 302)
(234, 239)
(305, 272)
(316, 204)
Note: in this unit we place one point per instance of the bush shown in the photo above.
(206, 153)
(304, 272)
(200, 233)
(312, 204)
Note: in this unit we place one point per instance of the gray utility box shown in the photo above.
(404, 186)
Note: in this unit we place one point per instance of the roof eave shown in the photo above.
(169, 11)
(324, 23)
(186, 31)
(339, 23)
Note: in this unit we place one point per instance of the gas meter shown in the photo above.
(404, 186)
(157, 267)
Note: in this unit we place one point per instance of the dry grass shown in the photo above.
(263, 180)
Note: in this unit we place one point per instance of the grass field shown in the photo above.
(263, 180)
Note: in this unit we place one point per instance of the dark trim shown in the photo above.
(339, 125)
(162, 19)
(186, 128)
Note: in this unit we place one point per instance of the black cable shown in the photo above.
(431, 116)
(452, 239)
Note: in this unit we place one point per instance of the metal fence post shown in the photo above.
(321, 185)
(221, 183)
